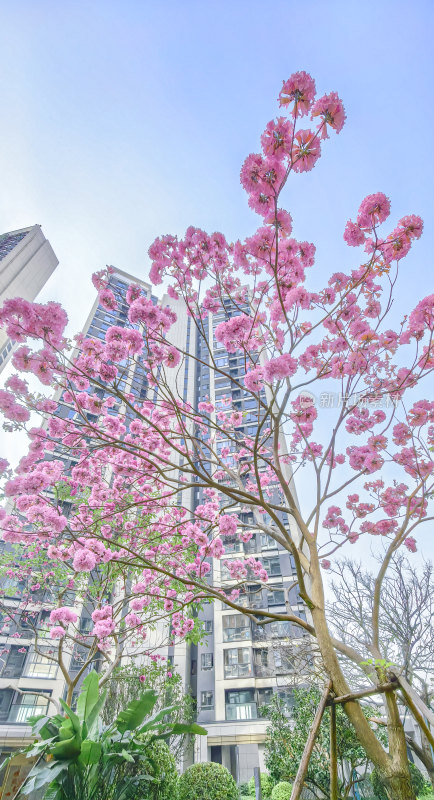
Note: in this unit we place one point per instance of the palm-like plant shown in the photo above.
(79, 758)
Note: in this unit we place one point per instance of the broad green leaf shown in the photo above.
(92, 719)
(67, 748)
(34, 720)
(54, 792)
(149, 724)
(127, 756)
(136, 712)
(40, 776)
(182, 727)
(66, 730)
(90, 752)
(72, 716)
(49, 728)
(88, 696)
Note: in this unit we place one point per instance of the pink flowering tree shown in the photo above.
(368, 460)
(80, 614)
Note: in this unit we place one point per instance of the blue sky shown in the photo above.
(125, 120)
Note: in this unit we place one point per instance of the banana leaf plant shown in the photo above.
(79, 758)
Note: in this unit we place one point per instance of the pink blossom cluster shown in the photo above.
(104, 622)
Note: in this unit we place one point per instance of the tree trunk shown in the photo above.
(398, 786)
(428, 760)
(392, 766)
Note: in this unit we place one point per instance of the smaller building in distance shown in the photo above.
(26, 262)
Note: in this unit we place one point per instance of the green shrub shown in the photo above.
(207, 781)
(266, 786)
(418, 782)
(282, 791)
(160, 763)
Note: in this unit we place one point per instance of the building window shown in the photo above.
(279, 629)
(207, 625)
(237, 662)
(272, 565)
(29, 705)
(235, 627)
(286, 697)
(206, 660)
(275, 596)
(264, 697)
(18, 707)
(5, 624)
(261, 657)
(267, 541)
(241, 704)
(41, 664)
(206, 700)
(79, 657)
(15, 662)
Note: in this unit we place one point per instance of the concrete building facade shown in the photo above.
(26, 262)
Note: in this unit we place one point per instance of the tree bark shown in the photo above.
(392, 766)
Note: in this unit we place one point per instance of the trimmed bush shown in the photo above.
(266, 786)
(161, 764)
(207, 781)
(282, 791)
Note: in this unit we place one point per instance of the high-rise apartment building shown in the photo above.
(26, 262)
(235, 671)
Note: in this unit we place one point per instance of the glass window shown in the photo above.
(241, 704)
(207, 700)
(287, 697)
(41, 664)
(208, 626)
(235, 627)
(276, 596)
(27, 624)
(267, 541)
(272, 565)
(237, 663)
(264, 696)
(79, 657)
(30, 705)
(15, 662)
(206, 660)
(261, 657)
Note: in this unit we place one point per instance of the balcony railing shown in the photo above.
(242, 711)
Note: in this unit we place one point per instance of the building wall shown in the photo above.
(26, 262)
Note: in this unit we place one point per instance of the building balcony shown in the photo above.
(238, 670)
(242, 711)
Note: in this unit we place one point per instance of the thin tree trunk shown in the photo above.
(393, 766)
